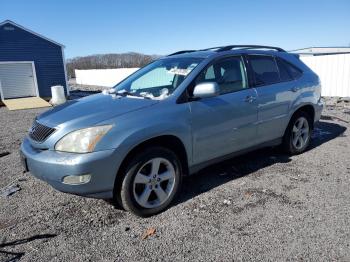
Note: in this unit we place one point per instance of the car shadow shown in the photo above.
(16, 256)
(228, 170)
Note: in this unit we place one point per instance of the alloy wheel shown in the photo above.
(300, 133)
(154, 182)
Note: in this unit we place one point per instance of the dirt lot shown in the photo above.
(260, 206)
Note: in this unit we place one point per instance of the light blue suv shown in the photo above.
(185, 111)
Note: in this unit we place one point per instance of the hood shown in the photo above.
(92, 109)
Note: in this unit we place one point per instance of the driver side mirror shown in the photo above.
(205, 90)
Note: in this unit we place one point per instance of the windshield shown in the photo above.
(159, 79)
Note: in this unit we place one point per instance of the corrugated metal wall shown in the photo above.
(20, 45)
(334, 73)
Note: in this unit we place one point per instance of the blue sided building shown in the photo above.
(29, 63)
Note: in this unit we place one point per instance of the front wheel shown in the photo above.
(298, 134)
(151, 180)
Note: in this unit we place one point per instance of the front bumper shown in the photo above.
(52, 166)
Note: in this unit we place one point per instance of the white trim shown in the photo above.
(1, 93)
(35, 79)
(65, 71)
(33, 72)
(30, 31)
(16, 62)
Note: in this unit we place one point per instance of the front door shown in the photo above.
(17, 80)
(226, 123)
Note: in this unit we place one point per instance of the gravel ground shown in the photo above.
(261, 206)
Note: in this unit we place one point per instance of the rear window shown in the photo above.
(264, 69)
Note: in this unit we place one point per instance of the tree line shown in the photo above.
(107, 61)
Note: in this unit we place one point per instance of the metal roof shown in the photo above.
(322, 50)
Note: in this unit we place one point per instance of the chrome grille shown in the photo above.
(39, 132)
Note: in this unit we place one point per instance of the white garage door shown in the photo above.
(17, 80)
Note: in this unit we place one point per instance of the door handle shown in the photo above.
(295, 89)
(249, 99)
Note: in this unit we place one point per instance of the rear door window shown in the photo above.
(265, 69)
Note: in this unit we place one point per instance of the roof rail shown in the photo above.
(190, 51)
(211, 48)
(229, 47)
(182, 52)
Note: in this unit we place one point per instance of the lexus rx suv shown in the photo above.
(135, 142)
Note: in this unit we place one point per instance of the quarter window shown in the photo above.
(287, 71)
(294, 71)
(264, 69)
(229, 73)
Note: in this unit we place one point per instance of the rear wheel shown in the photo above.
(151, 180)
(298, 134)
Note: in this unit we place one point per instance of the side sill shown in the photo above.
(195, 168)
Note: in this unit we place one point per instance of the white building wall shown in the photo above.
(102, 77)
(334, 73)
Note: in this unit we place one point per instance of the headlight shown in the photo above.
(82, 140)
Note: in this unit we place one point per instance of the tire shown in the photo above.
(151, 181)
(298, 134)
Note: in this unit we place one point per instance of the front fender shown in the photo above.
(130, 130)
(180, 131)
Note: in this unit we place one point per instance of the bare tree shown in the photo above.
(106, 61)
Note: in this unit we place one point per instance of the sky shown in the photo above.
(160, 27)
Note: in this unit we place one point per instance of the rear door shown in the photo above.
(17, 80)
(276, 90)
(226, 123)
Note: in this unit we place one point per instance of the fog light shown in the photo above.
(76, 180)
